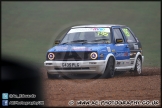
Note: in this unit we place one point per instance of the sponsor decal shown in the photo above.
(98, 29)
(108, 49)
(119, 44)
(127, 62)
(89, 30)
(119, 54)
(101, 55)
(92, 62)
(76, 48)
(122, 54)
(126, 54)
(88, 49)
(132, 62)
(135, 46)
(81, 48)
(118, 63)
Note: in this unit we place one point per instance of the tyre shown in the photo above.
(52, 76)
(138, 67)
(110, 69)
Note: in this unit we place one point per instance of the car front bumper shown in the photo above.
(85, 67)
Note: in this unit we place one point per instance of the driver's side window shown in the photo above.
(118, 34)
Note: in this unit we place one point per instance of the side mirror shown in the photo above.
(119, 40)
(57, 41)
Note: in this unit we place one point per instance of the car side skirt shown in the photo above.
(125, 65)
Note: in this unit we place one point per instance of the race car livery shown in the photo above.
(95, 49)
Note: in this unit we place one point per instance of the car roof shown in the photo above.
(97, 25)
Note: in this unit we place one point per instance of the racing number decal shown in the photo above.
(102, 33)
(126, 32)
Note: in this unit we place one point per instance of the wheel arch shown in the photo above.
(107, 58)
(140, 56)
(137, 55)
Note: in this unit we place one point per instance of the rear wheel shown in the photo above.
(138, 67)
(52, 76)
(110, 69)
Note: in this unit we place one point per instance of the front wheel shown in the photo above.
(110, 69)
(138, 67)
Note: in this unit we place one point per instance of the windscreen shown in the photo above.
(88, 34)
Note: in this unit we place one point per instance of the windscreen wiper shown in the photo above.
(64, 43)
(79, 41)
(99, 40)
(74, 41)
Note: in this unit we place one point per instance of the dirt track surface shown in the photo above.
(124, 86)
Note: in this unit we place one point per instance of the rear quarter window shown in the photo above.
(129, 36)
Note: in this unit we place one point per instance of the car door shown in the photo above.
(121, 49)
(134, 44)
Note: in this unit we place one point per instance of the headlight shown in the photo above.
(51, 56)
(93, 55)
